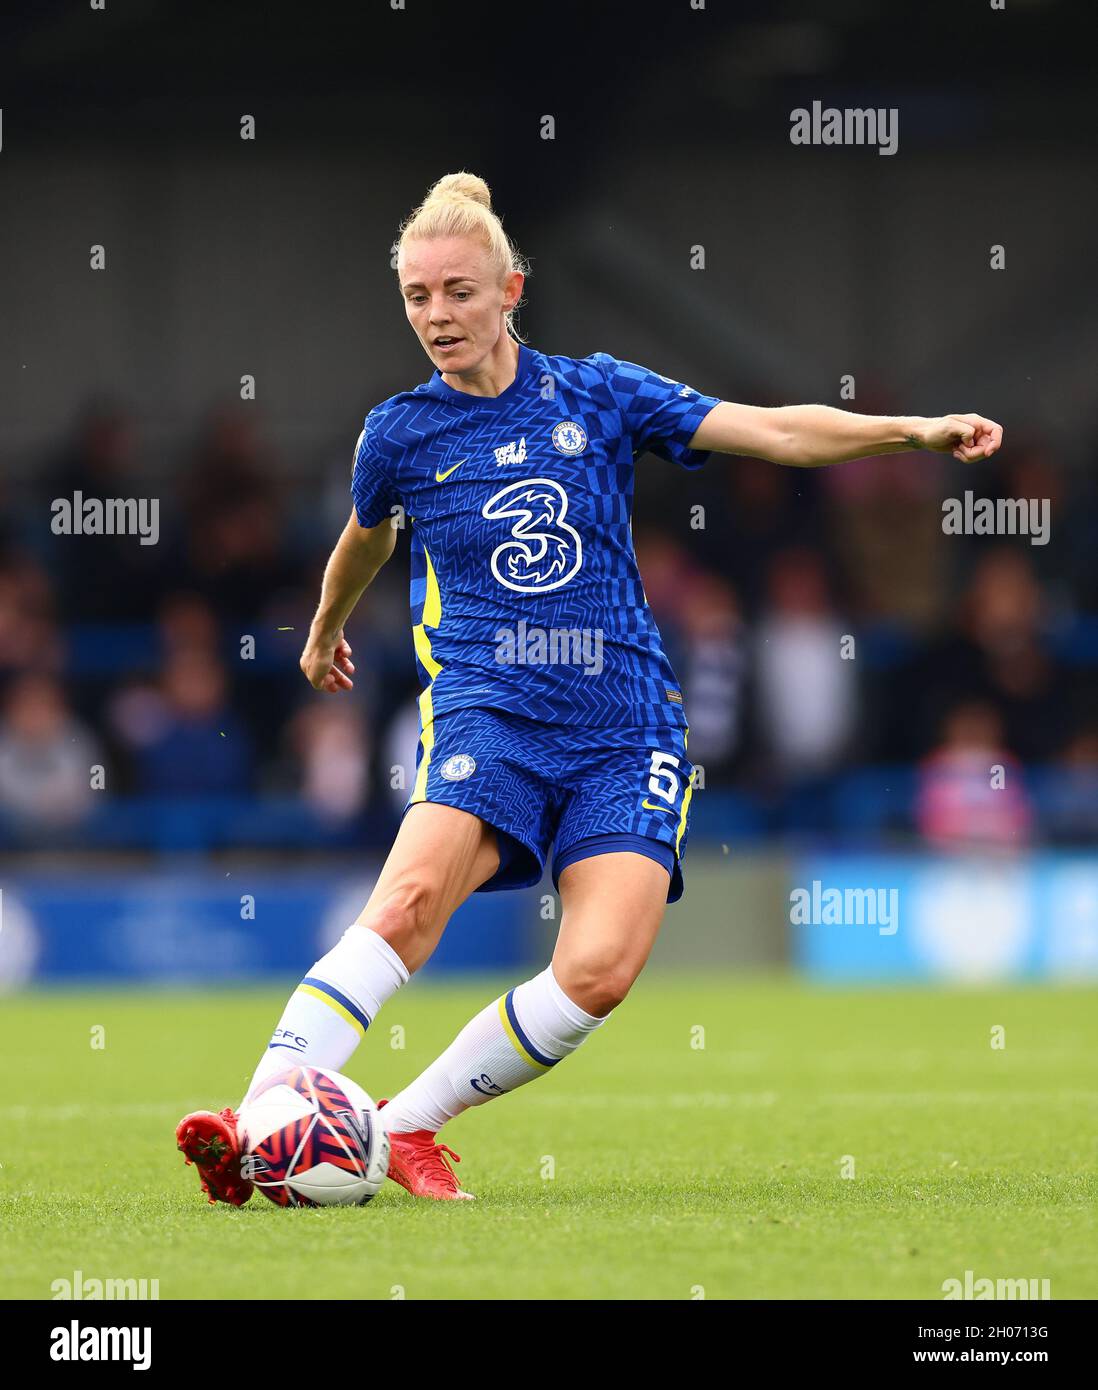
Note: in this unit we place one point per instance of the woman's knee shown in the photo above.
(407, 916)
(596, 984)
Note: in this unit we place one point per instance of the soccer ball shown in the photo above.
(313, 1138)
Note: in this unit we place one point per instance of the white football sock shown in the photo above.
(516, 1039)
(327, 1015)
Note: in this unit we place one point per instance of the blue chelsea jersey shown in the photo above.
(525, 590)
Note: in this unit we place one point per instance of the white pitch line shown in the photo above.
(90, 1112)
(715, 1100)
(700, 1100)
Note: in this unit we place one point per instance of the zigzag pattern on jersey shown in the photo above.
(412, 440)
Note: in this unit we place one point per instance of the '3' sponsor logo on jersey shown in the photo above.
(544, 551)
(485, 1085)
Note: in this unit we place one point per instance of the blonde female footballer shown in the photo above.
(515, 469)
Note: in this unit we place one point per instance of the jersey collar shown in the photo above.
(443, 391)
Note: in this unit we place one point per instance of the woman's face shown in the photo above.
(453, 300)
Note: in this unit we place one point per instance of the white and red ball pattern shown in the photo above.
(313, 1138)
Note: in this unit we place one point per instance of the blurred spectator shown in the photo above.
(99, 460)
(28, 635)
(970, 791)
(234, 525)
(188, 623)
(806, 690)
(331, 743)
(183, 737)
(714, 671)
(46, 757)
(731, 517)
(136, 716)
(997, 651)
(665, 567)
(1028, 471)
(886, 524)
(112, 578)
(1007, 655)
(770, 509)
(1072, 816)
(229, 463)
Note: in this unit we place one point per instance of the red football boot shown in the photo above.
(418, 1163)
(210, 1142)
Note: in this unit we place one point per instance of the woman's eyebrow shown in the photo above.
(450, 280)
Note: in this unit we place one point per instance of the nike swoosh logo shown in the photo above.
(441, 477)
(649, 807)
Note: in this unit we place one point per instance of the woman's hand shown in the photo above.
(326, 662)
(966, 437)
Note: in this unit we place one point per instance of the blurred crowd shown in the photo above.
(819, 622)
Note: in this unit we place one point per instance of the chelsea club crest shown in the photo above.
(569, 438)
(457, 768)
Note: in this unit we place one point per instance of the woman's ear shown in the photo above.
(512, 289)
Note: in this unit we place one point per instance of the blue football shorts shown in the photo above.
(577, 790)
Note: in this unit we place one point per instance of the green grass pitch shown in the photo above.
(677, 1171)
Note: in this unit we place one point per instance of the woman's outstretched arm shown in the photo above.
(809, 436)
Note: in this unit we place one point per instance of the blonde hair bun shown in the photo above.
(460, 185)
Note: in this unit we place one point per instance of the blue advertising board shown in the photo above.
(966, 919)
(191, 927)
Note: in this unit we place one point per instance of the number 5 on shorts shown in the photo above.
(663, 782)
